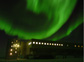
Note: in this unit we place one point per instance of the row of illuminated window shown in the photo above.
(75, 45)
(44, 43)
(78, 46)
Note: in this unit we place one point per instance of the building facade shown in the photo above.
(40, 48)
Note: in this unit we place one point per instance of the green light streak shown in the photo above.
(34, 26)
(56, 9)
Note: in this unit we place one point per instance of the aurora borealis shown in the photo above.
(40, 19)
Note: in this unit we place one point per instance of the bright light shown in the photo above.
(29, 43)
(39, 42)
(36, 42)
(11, 54)
(15, 51)
(61, 44)
(16, 45)
(50, 43)
(44, 43)
(33, 42)
(57, 44)
(47, 43)
(11, 49)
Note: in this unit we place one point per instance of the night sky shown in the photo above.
(55, 20)
(40, 19)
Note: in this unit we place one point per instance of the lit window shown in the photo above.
(78, 45)
(11, 49)
(44, 43)
(61, 44)
(50, 43)
(33, 42)
(39, 42)
(81, 46)
(47, 43)
(10, 54)
(74, 45)
(57, 44)
(36, 42)
(29, 43)
(15, 51)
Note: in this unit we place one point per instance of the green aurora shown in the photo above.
(39, 19)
